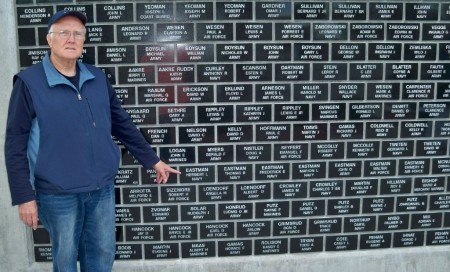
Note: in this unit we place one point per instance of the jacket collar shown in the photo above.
(54, 77)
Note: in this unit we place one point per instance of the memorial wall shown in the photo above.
(299, 126)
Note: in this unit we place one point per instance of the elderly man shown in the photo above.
(60, 156)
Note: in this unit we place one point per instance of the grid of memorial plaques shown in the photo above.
(299, 126)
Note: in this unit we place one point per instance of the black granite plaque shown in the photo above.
(234, 10)
(176, 194)
(115, 12)
(419, 51)
(343, 206)
(363, 149)
(418, 91)
(271, 246)
(254, 72)
(272, 92)
(290, 190)
(421, 11)
(277, 133)
(253, 229)
(404, 71)
(393, 222)
(344, 169)
(175, 32)
(375, 241)
(434, 110)
(337, 71)
(383, 91)
(311, 10)
(128, 252)
(416, 129)
(438, 237)
(128, 159)
(367, 32)
(176, 73)
(385, 11)
(253, 152)
(236, 211)
(271, 171)
(289, 227)
(327, 150)
(273, 52)
(311, 52)
(26, 36)
(360, 223)
(128, 214)
(235, 93)
(235, 133)
(43, 253)
(325, 225)
(403, 148)
(445, 11)
(126, 95)
(385, 51)
(348, 11)
(254, 113)
(198, 212)
(235, 248)
(142, 115)
(221, 192)
(290, 152)
(396, 186)
(441, 166)
(137, 233)
(253, 31)
(348, 51)
(253, 191)
(312, 131)
(137, 75)
(378, 205)
(308, 208)
(173, 232)
(442, 129)
(176, 114)
(412, 203)
(99, 34)
(311, 92)
(426, 220)
(309, 170)
(330, 31)
(414, 167)
(429, 185)
(33, 15)
(125, 33)
(439, 202)
(197, 174)
(217, 230)
(403, 32)
(306, 244)
(151, 94)
(408, 239)
(346, 130)
(215, 153)
(292, 31)
(140, 195)
(444, 51)
(237, 172)
(161, 251)
(29, 57)
(160, 135)
(379, 168)
(156, 53)
(127, 176)
(292, 72)
(273, 10)
(368, 71)
(272, 209)
(195, 52)
(329, 111)
(431, 71)
(189, 135)
(214, 32)
(215, 72)
(234, 52)
(443, 90)
(431, 147)
(192, 11)
(110, 73)
(154, 213)
(326, 188)
(195, 93)
(361, 187)
(41, 236)
(154, 12)
(115, 54)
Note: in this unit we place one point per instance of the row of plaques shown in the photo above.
(225, 10)
(247, 247)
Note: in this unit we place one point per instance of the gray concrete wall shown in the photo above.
(16, 245)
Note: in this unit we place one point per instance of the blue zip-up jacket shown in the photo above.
(58, 137)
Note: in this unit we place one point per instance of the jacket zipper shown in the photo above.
(89, 107)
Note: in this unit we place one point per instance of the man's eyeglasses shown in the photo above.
(65, 34)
